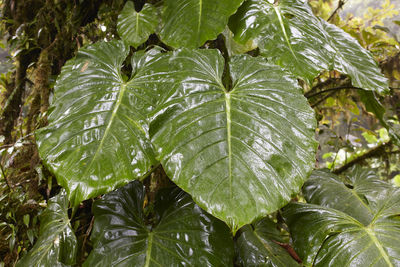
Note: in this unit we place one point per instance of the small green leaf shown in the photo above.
(57, 244)
(26, 219)
(373, 105)
(190, 23)
(179, 234)
(136, 27)
(396, 180)
(370, 138)
(235, 48)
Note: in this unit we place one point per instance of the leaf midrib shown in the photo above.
(199, 20)
(148, 251)
(378, 244)
(281, 23)
(106, 132)
(229, 137)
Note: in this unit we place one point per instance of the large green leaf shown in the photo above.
(257, 246)
(289, 34)
(97, 138)
(136, 27)
(190, 23)
(180, 234)
(352, 59)
(328, 190)
(241, 153)
(329, 233)
(57, 244)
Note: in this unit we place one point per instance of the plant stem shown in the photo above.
(333, 89)
(377, 151)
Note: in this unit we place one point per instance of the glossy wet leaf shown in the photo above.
(97, 138)
(180, 233)
(235, 48)
(190, 23)
(328, 233)
(287, 33)
(241, 154)
(352, 59)
(57, 244)
(290, 35)
(257, 246)
(326, 189)
(136, 27)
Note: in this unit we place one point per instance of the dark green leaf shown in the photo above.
(287, 33)
(136, 27)
(240, 153)
(373, 105)
(235, 48)
(256, 246)
(352, 59)
(190, 23)
(57, 244)
(97, 138)
(290, 35)
(324, 235)
(182, 235)
(326, 189)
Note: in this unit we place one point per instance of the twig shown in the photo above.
(290, 250)
(370, 154)
(323, 99)
(5, 177)
(334, 160)
(87, 233)
(340, 5)
(334, 89)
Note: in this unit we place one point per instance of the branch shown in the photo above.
(322, 100)
(340, 5)
(377, 151)
(333, 89)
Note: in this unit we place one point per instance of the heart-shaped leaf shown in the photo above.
(179, 233)
(331, 233)
(288, 33)
(136, 27)
(258, 245)
(190, 23)
(241, 153)
(97, 136)
(352, 59)
(57, 244)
